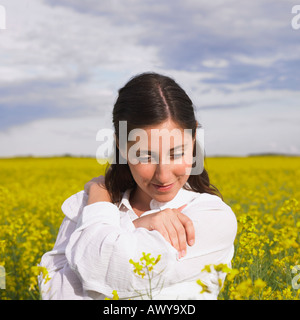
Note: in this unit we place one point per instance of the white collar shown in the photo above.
(73, 206)
(182, 197)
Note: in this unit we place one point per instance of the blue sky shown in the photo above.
(62, 62)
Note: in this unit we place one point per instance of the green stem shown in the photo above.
(150, 288)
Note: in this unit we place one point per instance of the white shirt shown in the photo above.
(95, 242)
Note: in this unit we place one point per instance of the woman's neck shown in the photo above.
(139, 201)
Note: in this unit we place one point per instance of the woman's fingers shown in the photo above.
(180, 238)
(173, 225)
(189, 228)
(182, 207)
(180, 229)
(188, 225)
(163, 231)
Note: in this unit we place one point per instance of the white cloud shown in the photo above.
(248, 130)
(216, 63)
(263, 126)
(257, 61)
(52, 136)
(54, 58)
(55, 42)
(73, 56)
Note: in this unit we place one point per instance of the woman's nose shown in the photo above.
(163, 173)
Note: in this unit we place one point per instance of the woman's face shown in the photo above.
(160, 159)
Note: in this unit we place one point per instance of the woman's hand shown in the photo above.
(173, 225)
(96, 190)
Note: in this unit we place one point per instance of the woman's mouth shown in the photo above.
(163, 188)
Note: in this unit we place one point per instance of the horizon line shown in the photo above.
(69, 155)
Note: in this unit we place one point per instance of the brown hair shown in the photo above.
(150, 99)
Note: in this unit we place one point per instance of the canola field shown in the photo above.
(264, 193)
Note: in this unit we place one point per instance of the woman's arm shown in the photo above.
(173, 225)
(64, 284)
(99, 250)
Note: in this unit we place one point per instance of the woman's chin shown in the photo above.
(164, 196)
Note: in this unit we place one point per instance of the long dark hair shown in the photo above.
(150, 99)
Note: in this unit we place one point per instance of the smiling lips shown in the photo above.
(163, 187)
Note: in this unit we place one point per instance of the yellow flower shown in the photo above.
(147, 264)
(206, 268)
(259, 284)
(231, 274)
(115, 296)
(204, 286)
(138, 268)
(243, 290)
(266, 205)
(37, 270)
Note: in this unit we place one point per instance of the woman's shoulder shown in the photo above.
(72, 207)
(213, 216)
(205, 200)
(203, 204)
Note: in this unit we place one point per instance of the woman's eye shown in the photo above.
(177, 156)
(144, 159)
(148, 159)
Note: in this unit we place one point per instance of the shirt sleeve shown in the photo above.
(99, 250)
(64, 283)
(215, 231)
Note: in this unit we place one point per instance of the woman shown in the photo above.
(153, 202)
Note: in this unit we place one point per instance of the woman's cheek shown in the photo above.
(186, 166)
(142, 172)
